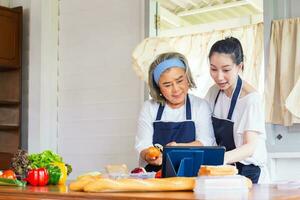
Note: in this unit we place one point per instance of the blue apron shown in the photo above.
(223, 129)
(165, 132)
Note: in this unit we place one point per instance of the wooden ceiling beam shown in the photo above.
(220, 1)
(213, 8)
(256, 4)
(172, 18)
(194, 4)
(205, 1)
(214, 26)
(179, 3)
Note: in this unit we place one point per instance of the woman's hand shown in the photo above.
(174, 144)
(152, 155)
(226, 158)
(154, 160)
(194, 143)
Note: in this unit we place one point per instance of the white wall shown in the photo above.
(4, 3)
(99, 94)
(38, 132)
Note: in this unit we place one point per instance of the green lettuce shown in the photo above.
(43, 159)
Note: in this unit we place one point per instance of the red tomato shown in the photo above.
(10, 174)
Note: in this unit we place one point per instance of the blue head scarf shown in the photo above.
(166, 64)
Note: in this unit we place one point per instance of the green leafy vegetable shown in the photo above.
(43, 159)
(12, 182)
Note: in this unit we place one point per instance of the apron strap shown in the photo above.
(216, 101)
(235, 97)
(187, 110)
(160, 112)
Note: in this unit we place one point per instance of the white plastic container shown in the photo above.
(213, 186)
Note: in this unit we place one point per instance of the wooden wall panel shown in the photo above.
(10, 38)
(10, 83)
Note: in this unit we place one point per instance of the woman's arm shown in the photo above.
(244, 151)
(194, 143)
(143, 139)
(251, 119)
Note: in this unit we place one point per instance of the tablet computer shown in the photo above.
(186, 160)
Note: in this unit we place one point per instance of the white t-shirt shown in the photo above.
(248, 115)
(201, 115)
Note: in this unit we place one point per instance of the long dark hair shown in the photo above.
(229, 45)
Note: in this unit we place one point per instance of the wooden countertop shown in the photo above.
(61, 192)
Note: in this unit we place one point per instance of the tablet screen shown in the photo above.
(186, 160)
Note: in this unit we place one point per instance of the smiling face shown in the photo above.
(174, 86)
(224, 71)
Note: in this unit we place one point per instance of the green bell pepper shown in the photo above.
(54, 174)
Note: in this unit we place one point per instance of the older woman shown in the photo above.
(172, 117)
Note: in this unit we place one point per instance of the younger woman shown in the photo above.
(238, 116)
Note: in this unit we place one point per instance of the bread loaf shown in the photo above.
(130, 184)
(82, 181)
(220, 170)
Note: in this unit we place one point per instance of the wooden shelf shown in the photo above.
(10, 83)
(9, 103)
(6, 69)
(9, 126)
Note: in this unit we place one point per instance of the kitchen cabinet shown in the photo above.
(10, 82)
(279, 162)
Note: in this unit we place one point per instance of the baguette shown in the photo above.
(127, 184)
(82, 181)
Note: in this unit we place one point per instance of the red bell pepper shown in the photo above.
(37, 177)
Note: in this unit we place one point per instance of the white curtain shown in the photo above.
(282, 89)
(196, 48)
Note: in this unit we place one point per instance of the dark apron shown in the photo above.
(165, 132)
(223, 129)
